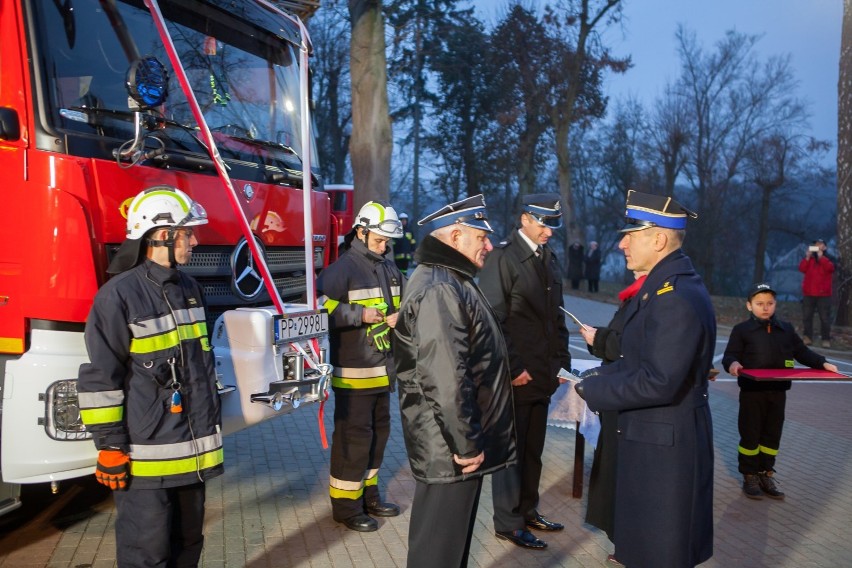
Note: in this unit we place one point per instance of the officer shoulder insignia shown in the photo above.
(667, 287)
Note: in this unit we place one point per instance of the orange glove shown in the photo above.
(113, 469)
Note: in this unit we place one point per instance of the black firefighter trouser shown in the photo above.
(361, 431)
(761, 421)
(159, 527)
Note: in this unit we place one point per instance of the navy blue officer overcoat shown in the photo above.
(664, 495)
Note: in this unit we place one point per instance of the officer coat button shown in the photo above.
(618, 431)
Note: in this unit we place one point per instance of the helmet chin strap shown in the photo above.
(169, 243)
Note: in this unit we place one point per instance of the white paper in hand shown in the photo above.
(573, 317)
(567, 375)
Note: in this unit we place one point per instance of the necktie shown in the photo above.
(539, 253)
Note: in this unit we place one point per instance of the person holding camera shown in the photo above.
(816, 292)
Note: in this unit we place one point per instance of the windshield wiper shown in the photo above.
(265, 144)
(150, 121)
(290, 173)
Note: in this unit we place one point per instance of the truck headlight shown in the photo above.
(62, 412)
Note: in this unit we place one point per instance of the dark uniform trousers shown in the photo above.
(822, 306)
(442, 520)
(361, 431)
(515, 489)
(140, 540)
(761, 421)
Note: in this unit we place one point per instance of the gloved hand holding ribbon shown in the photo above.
(113, 469)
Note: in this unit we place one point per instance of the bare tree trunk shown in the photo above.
(566, 191)
(844, 168)
(526, 154)
(416, 129)
(563, 117)
(370, 146)
(762, 233)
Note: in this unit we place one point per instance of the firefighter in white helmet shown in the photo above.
(149, 395)
(361, 291)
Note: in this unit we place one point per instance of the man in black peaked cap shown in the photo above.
(522, 282)
(455, 392)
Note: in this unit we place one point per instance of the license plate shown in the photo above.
(300, 326)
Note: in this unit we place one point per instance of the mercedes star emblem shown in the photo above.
(248, 284)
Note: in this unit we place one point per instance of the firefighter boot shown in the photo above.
(361, 523)
(767, 484)
(379, 509)
(751, 486)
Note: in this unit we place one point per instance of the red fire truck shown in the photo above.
(342, 207)
(100, 99)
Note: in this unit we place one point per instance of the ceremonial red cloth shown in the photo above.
(793, 375)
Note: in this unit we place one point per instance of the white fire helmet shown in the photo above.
(380, 218)
(162, 206)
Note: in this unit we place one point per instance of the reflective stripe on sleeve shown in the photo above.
(100, 399)
(328, 303)
(107, 415)
(102, 407)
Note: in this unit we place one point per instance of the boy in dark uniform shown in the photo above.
(764, 342)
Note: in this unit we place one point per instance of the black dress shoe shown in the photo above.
(383, 509)
(361, 523)
(522, 538)
(540, 522)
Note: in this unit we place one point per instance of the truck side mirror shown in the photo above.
(10, 125)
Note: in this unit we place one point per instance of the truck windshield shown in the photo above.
(245, 78)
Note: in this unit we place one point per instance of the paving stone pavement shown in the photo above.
(271, 508)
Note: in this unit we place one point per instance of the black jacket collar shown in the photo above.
(756, 323)
(434, 252)
(158, 273)
(360, 248)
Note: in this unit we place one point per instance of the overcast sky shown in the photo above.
(809, 30)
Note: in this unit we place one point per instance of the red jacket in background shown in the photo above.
(817, 281)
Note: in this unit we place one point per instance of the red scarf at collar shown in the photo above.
(632, 290)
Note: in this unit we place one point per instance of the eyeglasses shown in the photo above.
(185, 231)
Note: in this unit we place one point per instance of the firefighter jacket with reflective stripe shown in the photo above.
(403, 249)
(150, 388)
(360, 353)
